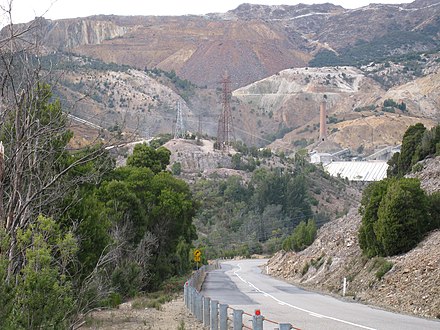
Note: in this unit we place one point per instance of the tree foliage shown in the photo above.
(250, 215)
(417, 144)
(303, 235)
(74, 230)
(42, 294)
(396, 214)
(146, 156)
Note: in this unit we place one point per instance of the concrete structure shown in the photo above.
(323, 158)
(323, 121)
(384, 153)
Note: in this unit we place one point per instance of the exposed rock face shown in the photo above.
(66, 34)
(372, 132)
(429, 175)
(251, 42)
(292, 97)
(198, 157)
(130, 99)
(421, 95)
(411, 286)
(256, 42)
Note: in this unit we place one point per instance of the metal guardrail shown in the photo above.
(217, 316)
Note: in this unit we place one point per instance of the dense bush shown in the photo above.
(396, 215)
(41, 297)
(239, 214)
(417, 144)
(303, 235)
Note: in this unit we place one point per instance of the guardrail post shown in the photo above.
(192, 293)
(195, 303)
(185, 294)
(197, 306)
(223, 317)
(214, 315)
(238, 319)
(201, 308)
(285, 326)
(257, 322)
(206, 310)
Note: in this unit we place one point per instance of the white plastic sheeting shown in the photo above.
(358, 171)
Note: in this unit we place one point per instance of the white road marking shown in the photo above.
(296, 307)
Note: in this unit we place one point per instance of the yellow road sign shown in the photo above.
(197, 254)
(196, 259)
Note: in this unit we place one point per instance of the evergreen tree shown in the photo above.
(402, 217)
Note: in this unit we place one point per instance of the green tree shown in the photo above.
(371, 199)
(146, 156)
(434, 210)
(303, 236)
(402, 217)
(393, 166)
(428, 144)
(176, 168)
(411, 140)
(396, 214)
(42, 293)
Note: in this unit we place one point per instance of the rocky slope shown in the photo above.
(265, 50)
(354, 104)
(251, 42)
(411, 286)
(121, 98)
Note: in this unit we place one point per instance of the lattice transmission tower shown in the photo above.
(179, 131)
(225, 130)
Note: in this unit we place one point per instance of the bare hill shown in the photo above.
(266, 50)
(251, 41)
(354, 104)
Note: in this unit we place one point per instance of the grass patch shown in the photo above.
(318, 262)
(168, 291)
(152, 300)
(181, 325)
(383, 269)
(329, 261)
(381, 265)
(305, 268)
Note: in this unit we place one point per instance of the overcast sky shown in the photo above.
(26, 10)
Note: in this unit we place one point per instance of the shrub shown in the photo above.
(305, 268)
(303, 235)
(395, 217)
(176, 168)
(384, 268)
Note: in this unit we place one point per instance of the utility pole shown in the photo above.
(199, 128)
(225, 131)
(323, 120)
(179, 132)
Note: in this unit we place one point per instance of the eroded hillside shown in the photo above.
(265, 50)
(356, 115)
(251, 41)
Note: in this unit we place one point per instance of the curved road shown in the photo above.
(241, 285)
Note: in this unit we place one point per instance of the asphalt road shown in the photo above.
(241, 285)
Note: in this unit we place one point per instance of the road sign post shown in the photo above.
(197, 257)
